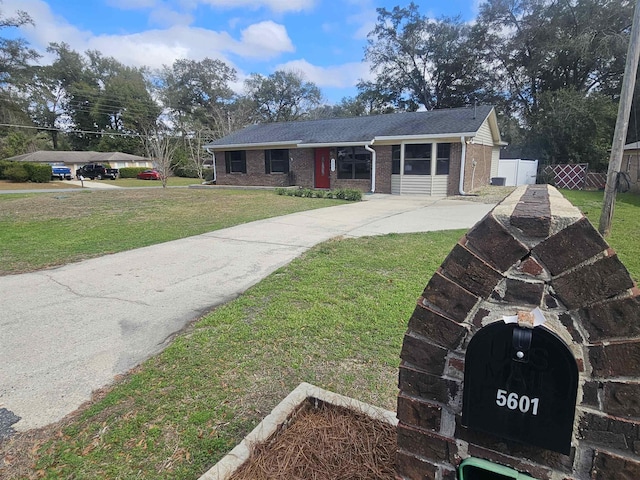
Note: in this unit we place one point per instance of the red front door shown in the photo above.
(323, 165)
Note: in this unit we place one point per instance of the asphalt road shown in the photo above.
(70, 330)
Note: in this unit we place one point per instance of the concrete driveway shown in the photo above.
(70, 330)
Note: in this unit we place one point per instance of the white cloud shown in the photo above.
(275, 5)
(365, 21)
(48, 27)
(279, 6)
(175, 37)
(264, 39)
(155, 47)
(167, 17)
(334, 76)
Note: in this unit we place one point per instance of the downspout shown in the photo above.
(215, 175)
(463, 155)
(461, 184)
(368, 148)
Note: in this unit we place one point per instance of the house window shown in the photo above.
(417, 159)
(276, 161)
(442, 162)
(236, 161)
(354, 163)
(395, 160)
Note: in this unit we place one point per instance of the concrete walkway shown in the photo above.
(62, 186)
(90, 184)
(70, 330)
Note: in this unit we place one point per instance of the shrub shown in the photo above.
(16, 173)
(38, 172)
(341, 193)
(353, 195)
(131, 172)
(208, 174)
(4, 164)
(187, 171)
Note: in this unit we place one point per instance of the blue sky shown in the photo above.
(322, 39)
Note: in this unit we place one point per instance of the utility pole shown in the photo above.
(622, 123)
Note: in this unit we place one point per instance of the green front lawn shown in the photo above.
(48, 229)
(118, 182)
(134, 182)
(334, 317)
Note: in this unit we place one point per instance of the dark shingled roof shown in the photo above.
(361, 129)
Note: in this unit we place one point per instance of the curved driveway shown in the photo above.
(70, 330)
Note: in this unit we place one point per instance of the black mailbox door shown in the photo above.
(521, 384)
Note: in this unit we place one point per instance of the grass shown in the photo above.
(6, 185)
(334, 317)
(42, 230)
(625, 230)
(118, 182)
(171, 182)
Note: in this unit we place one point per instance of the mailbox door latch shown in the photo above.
(521, 344)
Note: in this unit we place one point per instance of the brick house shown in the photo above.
(631, 164)
(75, 160)
(438, 152)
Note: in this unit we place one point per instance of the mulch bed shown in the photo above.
(324, 441)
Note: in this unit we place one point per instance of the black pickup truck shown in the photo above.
(96, 171)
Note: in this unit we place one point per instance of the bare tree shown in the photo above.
(194, 143)
(161, 146)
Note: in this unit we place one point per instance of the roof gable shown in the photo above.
(434, 123)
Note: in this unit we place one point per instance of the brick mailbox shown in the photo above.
(522, 356)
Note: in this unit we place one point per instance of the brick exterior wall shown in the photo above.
(302, 171)
(302, 167)
(255, 175)
(631, 166)
(454, 169)
(383, 170)
(481, 175)
(473, 178)
(533, 250)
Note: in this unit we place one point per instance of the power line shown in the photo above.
(66, 132)
(102, 108)
(53, 129)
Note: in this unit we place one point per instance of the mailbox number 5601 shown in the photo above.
(513, 401)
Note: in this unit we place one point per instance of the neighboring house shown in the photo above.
(75, 160)
(631, 164)
(439, 152)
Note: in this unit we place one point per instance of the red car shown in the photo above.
(149, 175)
